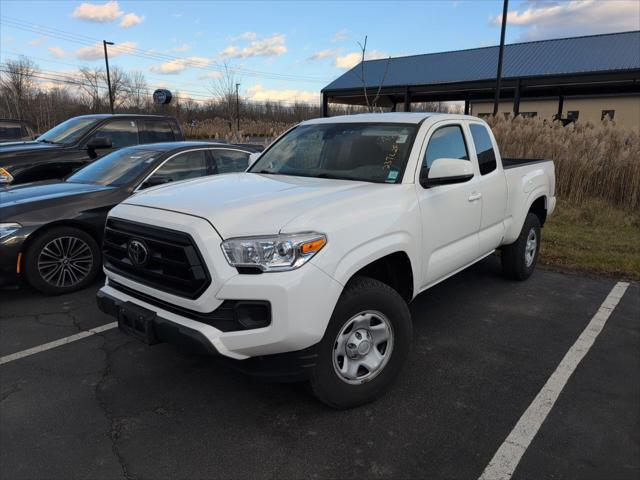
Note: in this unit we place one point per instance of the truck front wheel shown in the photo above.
(365, 344)
(519, 259)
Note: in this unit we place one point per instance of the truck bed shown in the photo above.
(510, 162)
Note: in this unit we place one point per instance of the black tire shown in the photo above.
(42, 278)
(515, 263)
(362, 294)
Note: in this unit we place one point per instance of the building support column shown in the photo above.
(466, 107)
(407, 100)
(325, 105)
(560, 106)
(516, 100)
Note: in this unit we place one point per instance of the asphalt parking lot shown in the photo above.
(109, 407)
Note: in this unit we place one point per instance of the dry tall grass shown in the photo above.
(592, 161)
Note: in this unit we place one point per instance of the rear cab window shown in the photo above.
(484, 148)
(227, 160)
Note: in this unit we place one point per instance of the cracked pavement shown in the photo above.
(109, 407)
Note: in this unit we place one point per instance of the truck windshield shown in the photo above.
(69, 131)
(369, 152)
(118, 168)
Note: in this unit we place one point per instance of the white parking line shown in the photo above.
(56, 343)
(508, 456)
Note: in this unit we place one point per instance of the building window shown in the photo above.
(528, 114)
(607, 113)
(573, 115)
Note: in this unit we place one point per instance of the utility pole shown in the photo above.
(106, 61)
(496, 100)
(237, 107)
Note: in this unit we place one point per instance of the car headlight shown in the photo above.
(273, 253)
(5, 176)
(7, 229)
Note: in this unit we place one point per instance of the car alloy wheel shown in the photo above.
(65, 261)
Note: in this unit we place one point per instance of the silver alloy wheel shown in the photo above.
(65, 261)
(531, 247)
(363, 347)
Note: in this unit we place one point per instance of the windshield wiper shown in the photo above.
(264, 171)
(47, 141)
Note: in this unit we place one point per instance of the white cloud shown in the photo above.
(183, 48)
(246, 36)
(352, 59)
(180, 64)
(322, 54)
(57, 52)
(539, 20)
(38, 41)
(96, 52)
(97, 12)
(260, 94)
(131, 19)
(209, 75)
(271, 46)
(340, 35)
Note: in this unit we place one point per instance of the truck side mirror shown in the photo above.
(97, 143)
(445, 171)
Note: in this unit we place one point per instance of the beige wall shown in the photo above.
(627, 109)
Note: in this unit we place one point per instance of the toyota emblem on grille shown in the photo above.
(137, 252)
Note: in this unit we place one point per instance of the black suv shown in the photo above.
(79, 141)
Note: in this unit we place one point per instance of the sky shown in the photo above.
(280, 51)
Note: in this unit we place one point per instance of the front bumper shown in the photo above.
(285, 367)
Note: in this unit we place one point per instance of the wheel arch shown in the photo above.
(393, 269)
(86, 228)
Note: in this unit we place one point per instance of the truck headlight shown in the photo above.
(7, 229)
(273, 253)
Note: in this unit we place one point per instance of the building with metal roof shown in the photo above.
(555, 72)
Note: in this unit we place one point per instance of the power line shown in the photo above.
(89, 41)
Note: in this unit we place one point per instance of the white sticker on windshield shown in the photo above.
(401, 138)
(392, 175)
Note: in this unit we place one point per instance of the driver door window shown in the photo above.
(446, 142)
(181, 167)
(122, 133)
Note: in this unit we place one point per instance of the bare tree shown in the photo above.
(138, 91)
(91, 85)
(18, 84)
(223, 88)
(374, 103)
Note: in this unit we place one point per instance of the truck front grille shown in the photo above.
(163, 259)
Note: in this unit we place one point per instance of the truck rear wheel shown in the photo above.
(365, 345)
(519, 259)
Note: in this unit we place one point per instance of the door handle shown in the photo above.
(475, 196)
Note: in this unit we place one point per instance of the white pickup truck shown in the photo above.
(302, 267)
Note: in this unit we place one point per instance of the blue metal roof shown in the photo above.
(565, 56)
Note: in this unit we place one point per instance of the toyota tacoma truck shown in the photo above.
(302, 267)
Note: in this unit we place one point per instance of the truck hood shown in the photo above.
(240, 204)
(30, 146)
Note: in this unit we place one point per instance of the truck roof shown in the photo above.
(391, 117)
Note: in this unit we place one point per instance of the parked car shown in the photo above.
(79, 141)
(15, 130)
(303, 267)
(51, 231)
